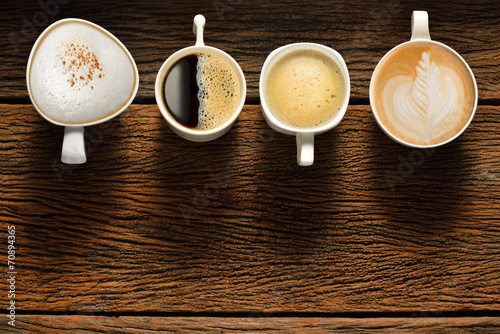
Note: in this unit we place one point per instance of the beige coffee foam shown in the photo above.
(219, 91)
(423, 94)
(305, 89)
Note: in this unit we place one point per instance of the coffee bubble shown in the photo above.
(305, 89)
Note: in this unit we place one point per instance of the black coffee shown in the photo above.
(201, 91)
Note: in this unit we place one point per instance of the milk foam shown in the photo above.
(422, 93)
(218, 91)
(79, 74)
(424, 105)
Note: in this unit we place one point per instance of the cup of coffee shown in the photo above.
(422, 93)
(200, 90)
(78, 75)
(304, 91)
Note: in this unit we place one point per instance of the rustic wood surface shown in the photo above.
(155, 223)
(256, 323)
(362, 31)
(155, 232)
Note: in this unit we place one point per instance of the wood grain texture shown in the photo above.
(156, 223)
(362, 31)
(79, 324)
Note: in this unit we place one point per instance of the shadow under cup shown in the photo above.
(423, 94)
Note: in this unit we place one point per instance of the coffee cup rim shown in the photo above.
(109, 34)
(271, 60)
(160, 77)
(423, 146)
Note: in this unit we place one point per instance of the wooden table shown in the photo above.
(155, 233)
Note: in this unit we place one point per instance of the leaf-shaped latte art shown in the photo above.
(423, 105)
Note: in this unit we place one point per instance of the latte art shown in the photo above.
(422, 93)
(424, 104)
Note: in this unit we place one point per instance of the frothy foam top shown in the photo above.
(305, 89)
(219, 91)
(423, 94)
(79, 74)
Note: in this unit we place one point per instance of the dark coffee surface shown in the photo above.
(201, 91)
(181, 91)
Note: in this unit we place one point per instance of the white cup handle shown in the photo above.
(73, 149)
(420, 25)
(305, 149)
(198, 27)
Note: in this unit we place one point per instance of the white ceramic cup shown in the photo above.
(304, 136)
(199, 47)
(420, 32)
(73, 148)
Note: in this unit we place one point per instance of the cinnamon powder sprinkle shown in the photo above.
(80, 62)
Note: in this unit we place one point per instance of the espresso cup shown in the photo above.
(200, 90)
(304, 91)
(78, 75)
(422, 93)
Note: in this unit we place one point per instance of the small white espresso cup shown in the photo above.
(199, 47)
(73, 148)
(304, 136)
(430, 114)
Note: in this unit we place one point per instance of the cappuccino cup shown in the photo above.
(200, 90)
(78, 75)
(304, 91)
(422, 93)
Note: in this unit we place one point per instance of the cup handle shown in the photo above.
(305, 149)
(73, 149)
(420, 25)
(198, 27)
